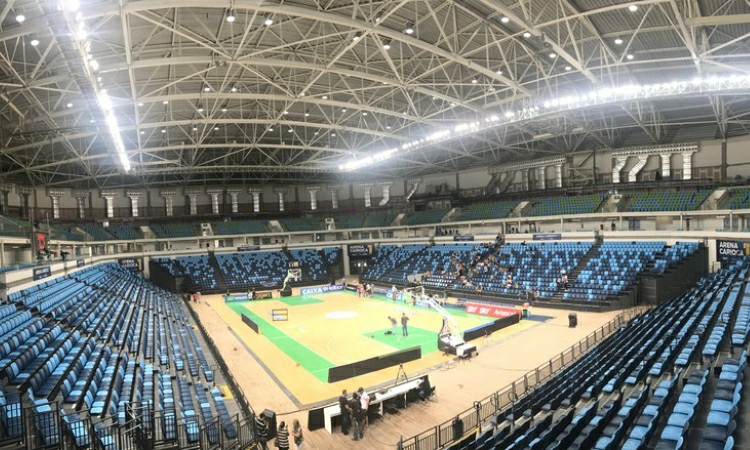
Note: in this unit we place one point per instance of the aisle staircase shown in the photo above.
(573, 275)
(220, 280)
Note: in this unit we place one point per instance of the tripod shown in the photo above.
(401, 374)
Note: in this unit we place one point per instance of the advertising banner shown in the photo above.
(491, 310)
(248, 248)
(321, 289)
(547, 236)
(463, 238)
(132, 264)
(727, 251)
(80, 262)
(359, 250)
(42, 272)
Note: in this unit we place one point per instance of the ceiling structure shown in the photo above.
(220, 91)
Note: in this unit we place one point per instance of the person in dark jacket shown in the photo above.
(346, 412)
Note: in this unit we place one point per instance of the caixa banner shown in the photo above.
(321, 289)
(491, 310)
(727, 251)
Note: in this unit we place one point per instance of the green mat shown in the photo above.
(299, 300)
(308, 359)
(417, 336)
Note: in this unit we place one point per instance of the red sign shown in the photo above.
(491, 310)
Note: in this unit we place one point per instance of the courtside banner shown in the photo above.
(491, 310)
(80, 262)
(321, 289)
(236, 298)
(547, 236)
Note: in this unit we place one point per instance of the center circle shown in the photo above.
(338, 315)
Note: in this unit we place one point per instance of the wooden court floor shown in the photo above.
(272, 379)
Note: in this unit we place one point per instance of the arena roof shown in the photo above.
(212, 91)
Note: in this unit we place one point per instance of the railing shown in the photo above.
(470, 420)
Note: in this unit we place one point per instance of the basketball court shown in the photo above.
(313, 333)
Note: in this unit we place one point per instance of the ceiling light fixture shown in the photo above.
(553, 55)
(630, 56)
(504, 19)
(325, 97)
(333, 134)
(20, 18)
(343, 109)
(34, 42)
(231, 16)
(568, 68)
(307, 114)
(409, 28)
(268, 22)
(69, 105)
(357, 35)
(216, 128)
(206, 89)
(618, 41)
(165, 102)
(234, 89)
(163, 130)
(364, 113)
(387, 45)
(200, 108)
(142, 132)
(224, 108)
(527, 35)
(474, 81)
(140, 104)
(633, 8)
(499, 72)
(195, 128)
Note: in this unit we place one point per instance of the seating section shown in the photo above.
(300, 224)
(199, 270)
(10, 226)
(673, 256)
(667, 200)
(126, 232)
(517, 268)
(612, 398)
(85, 353)
(555, 206)
(97, 232)
(425, 217)
(442, 263)
(482, 211)
(241, 227)
(174, 230)
(612, 270)
(388, 257)
(740, 198)
(63, 233)
(364, 220)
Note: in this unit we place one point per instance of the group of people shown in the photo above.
(364, 290)
(354, 412)
(282, 434)
(404, 324)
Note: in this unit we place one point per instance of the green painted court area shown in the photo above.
(299, 300)
(417, 337)
(308, 359)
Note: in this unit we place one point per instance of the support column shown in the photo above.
(558, 176)
(4, 190)
(281, 193)
(214, 193)
(55, 195)
(313, 192)
(687, 165)
(234, 195)
(133, 196)
(368, 191)
(633, 173)
(541, 177)
(169, 195)
(255, 192)
(617, 167)
(334, 196)
(81, 197)
(413, 186)
(666, 165)
(109, 202)
(192, 195)
(25, 193)
(386, 193)
(525, 179)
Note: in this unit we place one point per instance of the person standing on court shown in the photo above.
(282, 437)
(261, 431)
(394, 324)
(346, 413)
(405, 324)
(297, 434)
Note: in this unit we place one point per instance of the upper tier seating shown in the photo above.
(174, 230)
(63, 233)
(612, 269)
(125, 232)
(443, 263)
(10, 226)
(517, 268)
(555, 206)
(364, 220)
(300, 224)
(488, 210)
(241, 227)
(667, 200)
(740, 198)
(425, 216)
(97, 232)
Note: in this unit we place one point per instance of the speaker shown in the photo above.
(272, 427)
(572, 320)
